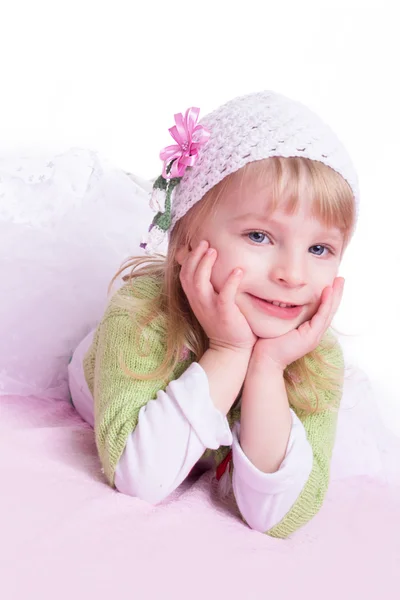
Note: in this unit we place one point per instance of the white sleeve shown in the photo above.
(265, 498)
(171, 435)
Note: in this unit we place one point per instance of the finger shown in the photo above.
(330, 300)
(339, 294)
(336, 297)
(227, 295)
(191, 262)
(202, 276)
(314, 329)
(318, 323)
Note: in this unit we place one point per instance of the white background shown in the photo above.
(110, 75)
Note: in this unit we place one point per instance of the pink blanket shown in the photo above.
(66, 535)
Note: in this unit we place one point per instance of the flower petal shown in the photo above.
(191, 116)
(181, 129)
(174, 171)
(200, 135)
(188, 161)
(170, 152)
(175, 134)
(189, 138)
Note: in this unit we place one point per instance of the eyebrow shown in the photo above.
(332, 234)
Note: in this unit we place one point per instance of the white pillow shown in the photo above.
(363, 445)
(67, 222)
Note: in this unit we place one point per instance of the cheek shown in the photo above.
(228, 260)
(219, 274)
(224, 265)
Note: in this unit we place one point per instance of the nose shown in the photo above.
(289, 268)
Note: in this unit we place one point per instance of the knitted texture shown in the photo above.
(321, 432)
(254, 127)
(118, 397)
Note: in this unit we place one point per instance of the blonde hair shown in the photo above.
(331, 201)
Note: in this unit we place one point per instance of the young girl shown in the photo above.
(219, 354)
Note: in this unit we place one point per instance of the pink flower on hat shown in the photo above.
(189, 138)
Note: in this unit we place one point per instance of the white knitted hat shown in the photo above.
(243, 130)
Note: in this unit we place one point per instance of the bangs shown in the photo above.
(296, 180)
(290, 181)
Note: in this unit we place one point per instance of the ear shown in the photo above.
(181, 254)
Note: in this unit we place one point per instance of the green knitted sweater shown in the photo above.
(119, 397)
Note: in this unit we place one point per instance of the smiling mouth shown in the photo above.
(277, 310)
(277, 303)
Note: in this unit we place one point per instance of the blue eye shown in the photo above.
(257, 236)
(319, 246)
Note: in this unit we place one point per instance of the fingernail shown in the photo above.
(210, 251)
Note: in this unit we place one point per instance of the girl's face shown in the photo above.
(287, 258)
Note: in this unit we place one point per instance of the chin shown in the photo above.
(271, 328)
(273, 331)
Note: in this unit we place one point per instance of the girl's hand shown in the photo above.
(284, 350)
(218, 314)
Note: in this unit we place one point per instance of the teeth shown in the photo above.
(281, 304)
